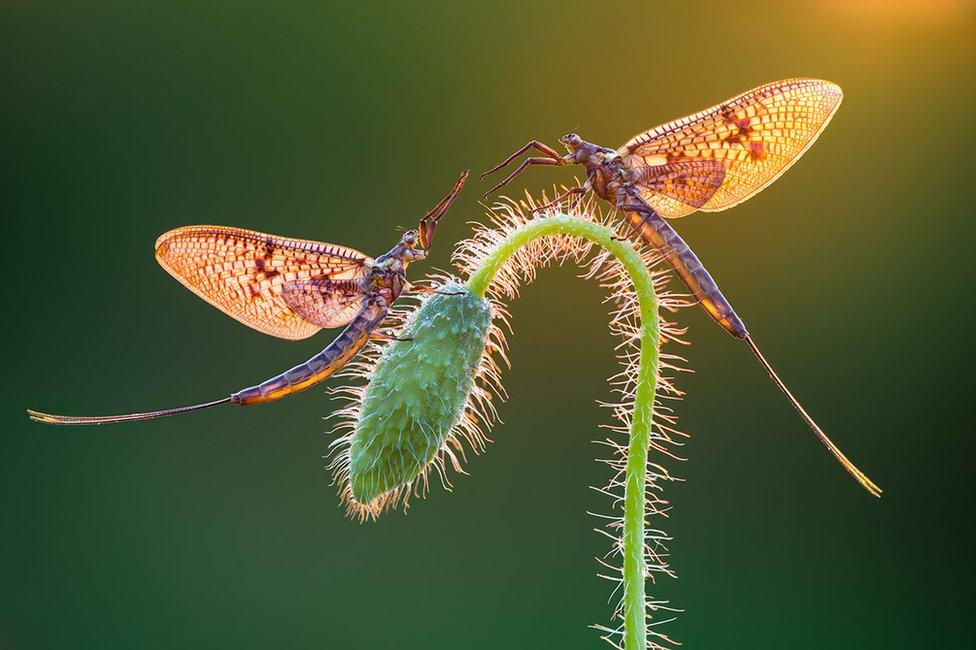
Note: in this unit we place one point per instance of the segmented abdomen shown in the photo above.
(657, 232)
(320, 367)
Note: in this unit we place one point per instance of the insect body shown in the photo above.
(289, 288)
(708, 161)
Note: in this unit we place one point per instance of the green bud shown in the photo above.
(418, 392)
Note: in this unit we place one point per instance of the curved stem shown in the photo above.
(634, 569)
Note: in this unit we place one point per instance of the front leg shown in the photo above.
(428, 224)
(545, 149)
(521, 168)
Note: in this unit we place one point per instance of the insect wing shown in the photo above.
(679, 188)
(756, 136)
(243, 272)
(327, 303)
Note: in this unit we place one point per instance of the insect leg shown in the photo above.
(377, 336)
(521, 168)
(429, 221)
(420, 289)
(633, 227)
(573, 191)
(532, 144)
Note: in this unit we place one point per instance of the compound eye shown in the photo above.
(410, 237)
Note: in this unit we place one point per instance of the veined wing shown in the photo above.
(677, 188)
(756, 136)
(243, 272)
(327, 303)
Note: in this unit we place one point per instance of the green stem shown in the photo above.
(634, 569)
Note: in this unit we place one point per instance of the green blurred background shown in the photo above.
(219, 530)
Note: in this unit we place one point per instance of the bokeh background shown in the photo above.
(854, 272)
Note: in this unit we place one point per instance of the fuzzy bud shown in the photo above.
(418, 393)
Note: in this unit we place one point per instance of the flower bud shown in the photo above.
(417, 395)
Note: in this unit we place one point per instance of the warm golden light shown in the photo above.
(918, 12)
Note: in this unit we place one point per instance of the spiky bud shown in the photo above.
(417, 396)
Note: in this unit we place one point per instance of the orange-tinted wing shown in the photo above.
(679, 187)
(327, 303)
(243, 272)
(755, 136)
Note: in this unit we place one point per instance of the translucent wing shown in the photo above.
(678, 188)
(756, 136)
(243, 272)
(327, 303)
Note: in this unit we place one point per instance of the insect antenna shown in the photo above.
(50, 418)
(852, 469)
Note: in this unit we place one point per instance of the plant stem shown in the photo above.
(634, 568)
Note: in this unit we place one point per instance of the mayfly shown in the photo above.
(708, 161)
(289, 288)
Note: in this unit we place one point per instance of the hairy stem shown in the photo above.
(634, 569)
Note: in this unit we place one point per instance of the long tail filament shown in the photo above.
(49, 418)
(852, 469)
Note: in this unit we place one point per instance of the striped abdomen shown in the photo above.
(323, 365)
(657, 232)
